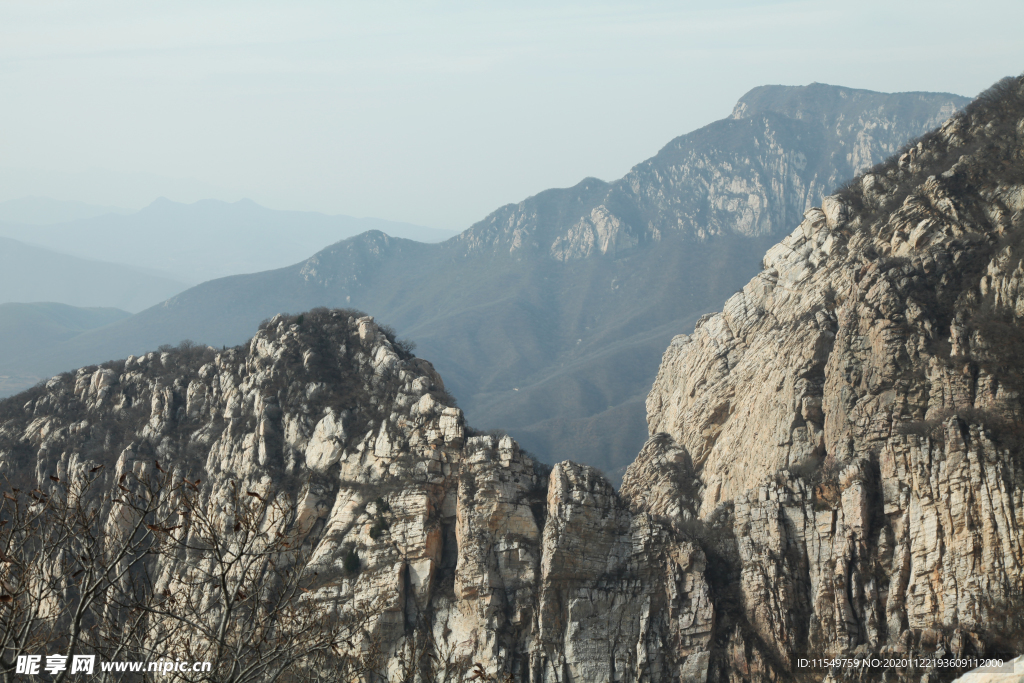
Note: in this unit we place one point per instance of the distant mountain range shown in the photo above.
(835, 466)
(193, 242)
(29, 273)
(31, 328)
(549, 317)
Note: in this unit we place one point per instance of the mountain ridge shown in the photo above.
(835, 467)
(556, 281)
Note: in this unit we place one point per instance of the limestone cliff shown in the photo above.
(834, 468)
(541, 573)
(857, 407)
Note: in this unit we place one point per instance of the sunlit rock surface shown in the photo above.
(835, 465)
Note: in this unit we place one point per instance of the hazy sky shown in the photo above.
(428, 112)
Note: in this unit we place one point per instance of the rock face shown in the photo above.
(875, 361)
(835, 466)
(543, 573)
(753, 174)
(549, 317)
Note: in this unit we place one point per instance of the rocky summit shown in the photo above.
(835, 463)
(857, 408)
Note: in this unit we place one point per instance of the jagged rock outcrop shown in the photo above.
(875, 361)
(834, 469)
(541, 573)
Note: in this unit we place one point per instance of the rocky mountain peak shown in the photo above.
(434, 533)
(864, 392)
(915, 240)
(832, 105)
(834, 464)
(767, 172)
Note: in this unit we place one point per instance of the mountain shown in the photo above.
(208, 239)
(549, 317)
(31, 327)
(45, 211)
(835, 472)
(752, 174)
(856, 412)
(29, 273)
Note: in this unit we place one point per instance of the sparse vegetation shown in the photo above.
(817, 470)
(1000, 108)
(404, 347)
(350, 561)
(246, 602)
(378, 528)
(380, 521)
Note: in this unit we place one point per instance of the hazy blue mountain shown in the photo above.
(30, 273)
(549, 317)
(27, 328)
(208, 239)
(46, 211)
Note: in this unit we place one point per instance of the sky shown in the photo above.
(433, 113)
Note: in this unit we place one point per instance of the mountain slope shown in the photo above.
(755, 173)
(837, 473)
(29, 273)
(557, 309)
(26, 326)
(857, 410)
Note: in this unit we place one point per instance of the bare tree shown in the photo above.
(149, 570)
(62, 555)
(236, 588)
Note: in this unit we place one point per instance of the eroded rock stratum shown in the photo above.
(835, 464)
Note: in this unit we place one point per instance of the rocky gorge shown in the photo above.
(834, 464)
